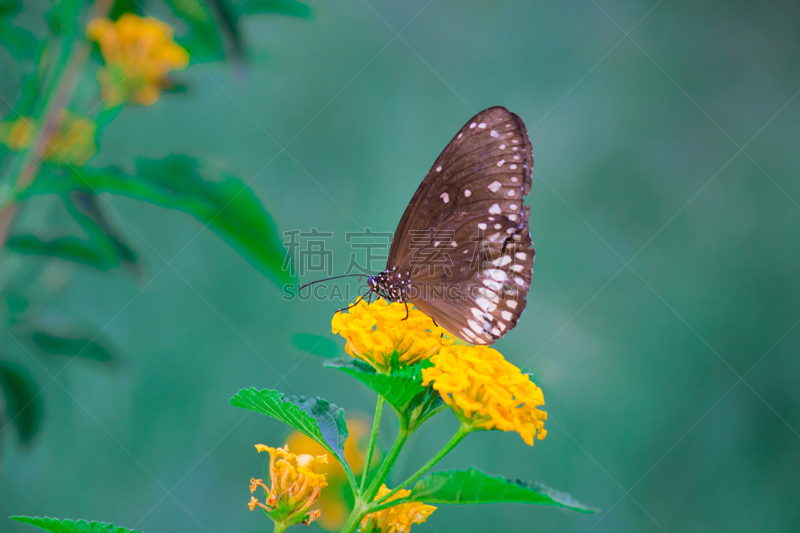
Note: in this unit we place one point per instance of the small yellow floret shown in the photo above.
(72, 142)
(295, 486)
(487, 392)
(397, 519)
(374, 332)
(139, 53)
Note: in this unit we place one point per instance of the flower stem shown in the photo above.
(373, 439)
(280, 527)
(387, 464)
(459, 435)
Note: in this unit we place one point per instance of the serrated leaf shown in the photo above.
(316, 418)
(227, 206)
(276, 7)
(55, 525)
(66, 248)
(316, 344)
(473, 486)
(23, 407)
(398, 388)
(72, 343)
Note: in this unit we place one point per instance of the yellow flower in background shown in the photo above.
(333, 501)
(486, 391)
(397, 519)
(295, 486)
(139, 53)
(374, 332)
(72, 143)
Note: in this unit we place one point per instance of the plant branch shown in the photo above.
(373, 439)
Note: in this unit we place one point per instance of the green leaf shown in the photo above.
(277, 7)
(67, 248)
(398, 388)
(203, 41)
(316, 418)
(54, 525)
(316, 344)
(473, 486)
(86, 210)
(23, 407)
(228, 206)
(73, 343)
(21, 43)
(9, 8)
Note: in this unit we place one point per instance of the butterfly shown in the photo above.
(462, 252)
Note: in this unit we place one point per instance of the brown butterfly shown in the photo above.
(462, 252)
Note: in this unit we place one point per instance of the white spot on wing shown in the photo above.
(482, 125)
(512, 217)
(467, 193)
(517, 268)
(439, 168)
(512, 206)
(513, 167)
(474, 326)
(482, 225)
(494, 186)
(472, 126)
(502, 146)
(494, 134)
(495, 209)
(511, 303)
(506, 315)
(511, 192)
(500, 163)
(445, 197)
(501, 261)
(521, 255)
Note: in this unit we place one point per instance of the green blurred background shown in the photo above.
(661, 320)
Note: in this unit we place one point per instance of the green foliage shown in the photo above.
(316, 344)
(73, 343)
(67, 248)
(203, 40)
(316, 418)
(402, 389)
(23, 407)
(18, 41)
(226, 205)
(473, 486)
(54, 525)
(276, 7)
(398, 388)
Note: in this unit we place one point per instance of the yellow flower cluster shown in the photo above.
(333, 499)
(295, 486)
(397, 519)
(139, 53)
(374, 332)
(72, 143)
(486, 391)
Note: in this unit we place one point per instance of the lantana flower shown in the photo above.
(72, 142)
(397, 519)
(377, 331)
(139, 53)
(486, 391)
(333, 499)
(295, 486)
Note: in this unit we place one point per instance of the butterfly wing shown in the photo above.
(465, 236)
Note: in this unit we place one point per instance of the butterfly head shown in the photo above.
(391, 285)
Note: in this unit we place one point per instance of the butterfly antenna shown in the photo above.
(328, 279)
